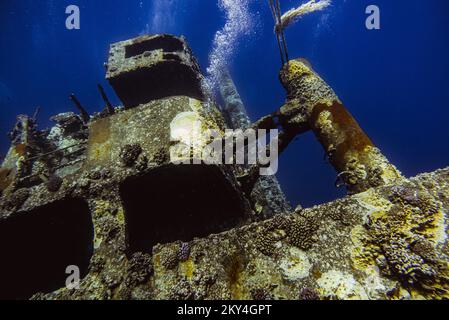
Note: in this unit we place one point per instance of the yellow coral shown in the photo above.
(392, 240)
(187, 268)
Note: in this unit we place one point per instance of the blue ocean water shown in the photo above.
(394, 80)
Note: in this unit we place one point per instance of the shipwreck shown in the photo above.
(100, 192)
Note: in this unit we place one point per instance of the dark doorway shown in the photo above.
(166, 43)
(179, 203)
(37, 246)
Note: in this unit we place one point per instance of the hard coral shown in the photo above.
(5, 178)
(184, 251)
(278, 222)
(142, 163)
(300, 232)
(183, 291)
(161, 156)
(169, 258)
(140, 268)
(17, 199)
(54, 183)
(130, 153)
(261, 294)
(265, 243)
(308, 294)
(403, 242)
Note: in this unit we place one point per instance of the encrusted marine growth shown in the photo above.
(296, 229)
(184, 251)
(54, 183)
(267, 196)
(197, 237)
(261, 294)
(153, 67)
(308, 294)
(6, 178)
(140, 268)
(312, 104)
(169, 258)
(405, 242)
(16, 199)
(300, 232)
(265, 242)
(130, 153)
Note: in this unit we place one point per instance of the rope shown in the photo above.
(280, 37)
(281, 30)
(295, 14)
(273, 12)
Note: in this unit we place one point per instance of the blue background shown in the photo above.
(395, 81)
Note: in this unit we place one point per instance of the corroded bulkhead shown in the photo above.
(164, 201)
(153, 67)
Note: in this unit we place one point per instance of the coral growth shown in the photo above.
(404, 241)
(169, 258)
(309, 294)
(161, 156)
(313, 104)
(293, 15)
(261, 294)
(17, 199)
(265, 243)
(140, 268)
(184, 251)
(54, 183)
(300, 232)
(5, 179)
(130, 153)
